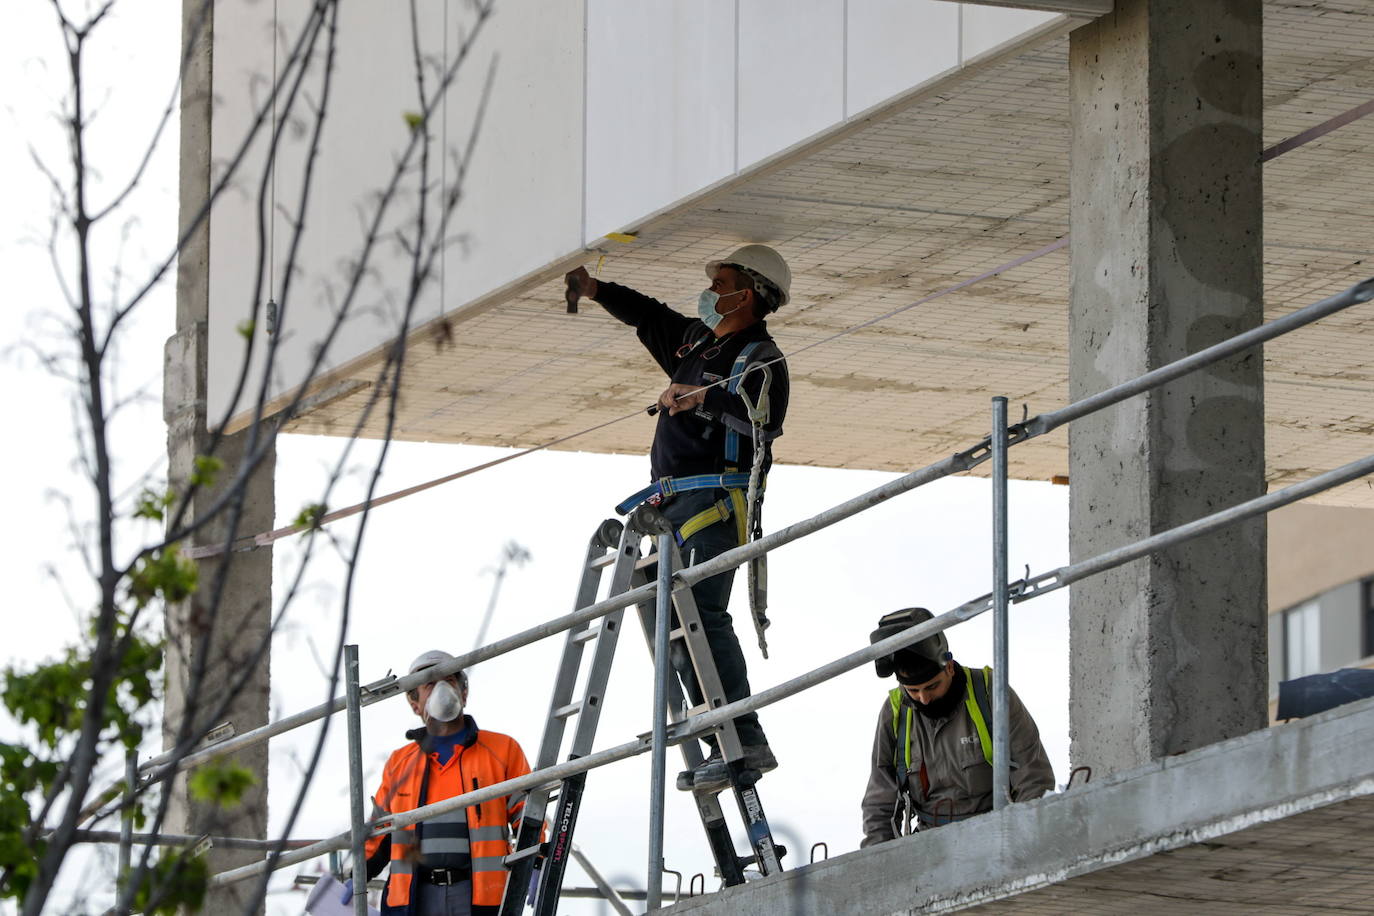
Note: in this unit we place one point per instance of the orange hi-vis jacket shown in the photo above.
(480, 759)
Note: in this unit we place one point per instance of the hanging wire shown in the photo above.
(250, 542)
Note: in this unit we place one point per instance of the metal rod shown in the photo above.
(162, 765)
(1001, 743)
(659, 764)
(704, 722)
(189, 839)
(126, 825)
(167, 763)
(1360, 292)
(1066, 575)
(358, 832)
(610, 894)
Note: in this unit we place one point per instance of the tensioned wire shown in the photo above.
(250, 542)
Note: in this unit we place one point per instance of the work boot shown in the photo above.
(713, 773)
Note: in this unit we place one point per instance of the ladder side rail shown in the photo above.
(528, 836)
(598, 675)
(570, 795)
(712, 815)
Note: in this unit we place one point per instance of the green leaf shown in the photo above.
(310, 517)
(245, 328)
(207, 467)
(165, 574)
(222, 784)
(413, 119)
(152, 505)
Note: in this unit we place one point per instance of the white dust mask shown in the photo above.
(444, 703)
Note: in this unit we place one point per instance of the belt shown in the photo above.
(667, 486)
(443, 877)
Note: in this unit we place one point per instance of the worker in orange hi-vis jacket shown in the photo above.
(451, 864)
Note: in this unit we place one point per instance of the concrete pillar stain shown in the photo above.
(1166, 218)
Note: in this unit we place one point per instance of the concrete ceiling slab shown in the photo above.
(968, 175)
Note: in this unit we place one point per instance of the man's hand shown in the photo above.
(678, 397)
(580, 284)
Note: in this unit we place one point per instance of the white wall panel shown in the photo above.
(660, 105)
(521, 205)
(897, 44)
(986, 27)
(791, 73)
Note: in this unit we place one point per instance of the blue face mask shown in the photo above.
(706, 307)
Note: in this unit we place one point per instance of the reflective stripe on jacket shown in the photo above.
(487, 758)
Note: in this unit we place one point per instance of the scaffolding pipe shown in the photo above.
(168, 763)
(1056, 579)
(707, 721)
(126, 824)
(165, 764)
(1044, 423)
(659, 766)
(609, 893)
(187, 839)
(358, 833)
(1001, 721)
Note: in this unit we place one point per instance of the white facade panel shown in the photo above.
(660, 105)
(986, 27)
(897, 44)
(791, 73)
(600, 113)
(521, 208)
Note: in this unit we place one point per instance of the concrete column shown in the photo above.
(224, 639)
(1168, 653)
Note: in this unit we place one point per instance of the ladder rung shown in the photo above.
(523, 853)
(677, 633)
(603, 561)
(587, 635)
(564, 712)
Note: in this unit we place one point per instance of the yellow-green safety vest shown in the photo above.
(977, 701)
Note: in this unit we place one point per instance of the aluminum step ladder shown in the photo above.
(618, 546)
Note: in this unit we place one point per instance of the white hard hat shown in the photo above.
(429, 660)
(761, 260)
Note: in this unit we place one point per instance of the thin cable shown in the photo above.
(268, 537)
(261, 540)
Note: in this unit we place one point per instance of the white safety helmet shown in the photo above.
(761, 260)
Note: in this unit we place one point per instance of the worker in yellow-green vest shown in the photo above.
(932, 751)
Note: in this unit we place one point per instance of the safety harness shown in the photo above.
(744, 490)
(978, 702)
(744, 494)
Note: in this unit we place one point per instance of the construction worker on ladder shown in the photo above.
(706, 443)
(452, 864)
(932, 752)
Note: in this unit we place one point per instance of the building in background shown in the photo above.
(1321, 591)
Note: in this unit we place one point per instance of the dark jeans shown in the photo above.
(712, 597)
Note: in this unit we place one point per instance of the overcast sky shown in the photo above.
(426, 573)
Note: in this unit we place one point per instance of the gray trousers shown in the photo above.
(451, 900)
(712, 596)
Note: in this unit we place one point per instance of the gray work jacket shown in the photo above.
(957, 781)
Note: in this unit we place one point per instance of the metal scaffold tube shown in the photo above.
(658, 769)
(358, 833)
(703, 722)
(171, 762)
(1001, 721)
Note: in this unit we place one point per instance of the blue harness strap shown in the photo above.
(667, 486)
(736, 376)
